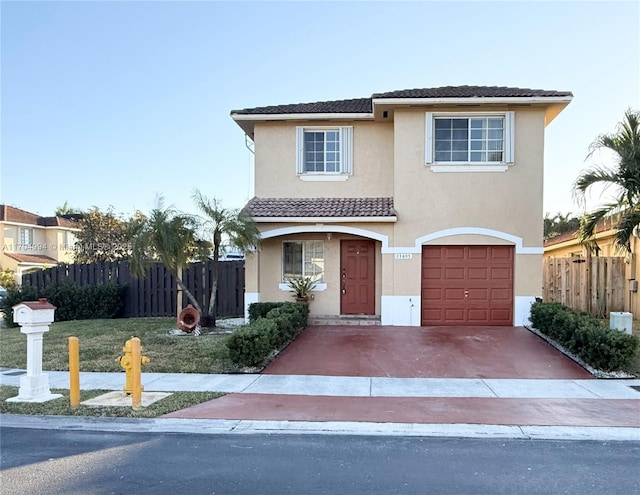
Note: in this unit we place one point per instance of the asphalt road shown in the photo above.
(79, 462)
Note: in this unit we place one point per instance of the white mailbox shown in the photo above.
(40, 312)
(34, 318)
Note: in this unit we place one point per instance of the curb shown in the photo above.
(224, 427)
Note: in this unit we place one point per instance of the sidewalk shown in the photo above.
(513, 408)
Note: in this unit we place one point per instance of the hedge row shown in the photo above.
(584, 336)
(272, 326)
(71, 301)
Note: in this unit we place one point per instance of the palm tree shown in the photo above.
(65, 209)
(625, 177)
(220, 223)
(559, 224)
(166, 236)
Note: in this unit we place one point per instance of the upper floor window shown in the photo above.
(324, 151)
(68, 241)
(26, 238)
(482, 142)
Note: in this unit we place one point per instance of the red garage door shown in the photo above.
(467, 285)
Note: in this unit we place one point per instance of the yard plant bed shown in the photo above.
(101, 343)
(606, 353)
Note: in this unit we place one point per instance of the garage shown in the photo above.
(467, 285)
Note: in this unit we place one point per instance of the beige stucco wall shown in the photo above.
(389, 160)
(509, 202)
(606, 243)
(58, 247)
(267, 279)
(275, 163)
(47, 241)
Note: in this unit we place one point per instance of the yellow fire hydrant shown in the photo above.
(126, 362)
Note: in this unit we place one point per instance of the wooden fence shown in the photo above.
(595, 285)
(157, 293)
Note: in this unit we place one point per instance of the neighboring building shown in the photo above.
(31, 242)
(567, 245)
(423, 206)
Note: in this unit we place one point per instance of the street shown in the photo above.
(81, 462)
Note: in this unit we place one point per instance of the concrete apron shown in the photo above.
(427, 352)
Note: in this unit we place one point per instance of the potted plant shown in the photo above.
(301, 287)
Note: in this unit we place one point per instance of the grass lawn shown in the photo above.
(60, 406)
(101, 343)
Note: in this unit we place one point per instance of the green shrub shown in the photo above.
(16, 295)
(267, 331)
(260, 309)
(607, 350)
(285, 330)
(251, 344)
(542, 314)
(72, 302)
(86, 302)
(584, 336)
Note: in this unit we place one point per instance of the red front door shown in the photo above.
(357, 277)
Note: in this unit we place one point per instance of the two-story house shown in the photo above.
(422, 206)
(31, 242)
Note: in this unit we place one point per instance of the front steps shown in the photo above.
(341, 320)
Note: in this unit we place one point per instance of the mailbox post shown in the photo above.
(34, 318)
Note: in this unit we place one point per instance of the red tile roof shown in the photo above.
(359, 105)
(32, 258)
(603, 225)
(472, 92)
(321, 207)
(16, 215)
(365, 105)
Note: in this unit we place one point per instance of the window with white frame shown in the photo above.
(469, 140)
(303, 259)
(26, 238)
(324, 150)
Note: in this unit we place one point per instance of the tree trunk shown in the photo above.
(191, 297)
(211, 313)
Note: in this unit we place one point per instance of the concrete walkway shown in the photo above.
(345, 386)
(513, 408)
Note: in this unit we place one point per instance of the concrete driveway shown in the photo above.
(424, 352)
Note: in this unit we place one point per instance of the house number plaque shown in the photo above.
(403, 256)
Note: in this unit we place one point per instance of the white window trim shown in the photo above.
(320, 286)
(316, 177)
(285, 285)
(509, 149)
(346, 155)
(26, 236)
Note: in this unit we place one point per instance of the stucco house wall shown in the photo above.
(465, 207)
(52, 241)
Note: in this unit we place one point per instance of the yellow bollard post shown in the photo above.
(74, 372)
(136, 370)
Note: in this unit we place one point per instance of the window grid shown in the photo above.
(477, 139)
(303, 259)
(322, 151)
(26, 237)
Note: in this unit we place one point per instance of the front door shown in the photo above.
(357, 277)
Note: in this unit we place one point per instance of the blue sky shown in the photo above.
(111, 103)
